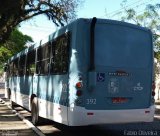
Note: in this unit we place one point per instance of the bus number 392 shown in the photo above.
(91, 101)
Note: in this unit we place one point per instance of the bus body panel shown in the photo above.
(81, 116)
(21, 88)
(52, 89)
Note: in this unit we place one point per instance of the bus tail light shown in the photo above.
(153, 88)
(79, 85)
(79, 92)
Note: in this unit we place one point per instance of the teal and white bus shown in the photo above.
(92, 71)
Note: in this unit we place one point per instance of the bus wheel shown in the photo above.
(8, 95)
(35, 111)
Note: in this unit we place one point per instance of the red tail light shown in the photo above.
(153, 88)
(79, 92)
(79, 85)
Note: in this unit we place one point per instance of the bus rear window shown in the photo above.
(120, 46)
(30, 68)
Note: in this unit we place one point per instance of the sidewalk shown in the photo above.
(2, 93)
(12, 123)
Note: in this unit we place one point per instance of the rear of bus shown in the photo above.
(119, 86)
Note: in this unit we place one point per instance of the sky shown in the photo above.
(40, 27)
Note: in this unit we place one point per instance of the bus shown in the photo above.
(91, 71)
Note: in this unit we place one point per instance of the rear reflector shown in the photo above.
(147, 111)
(153, 88)
(90, 113)
(119, 100)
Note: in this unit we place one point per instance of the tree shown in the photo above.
(149, 18)
(13, 12)
(14, 44)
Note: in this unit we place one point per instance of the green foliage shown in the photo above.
(14, 44)
(149, 18)
(4, 55)
(17, 41)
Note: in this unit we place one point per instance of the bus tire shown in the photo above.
(8, 93)
(34, 110)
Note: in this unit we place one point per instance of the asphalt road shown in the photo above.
(50, 128)
(143, 129)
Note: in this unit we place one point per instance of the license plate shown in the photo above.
(119, 100)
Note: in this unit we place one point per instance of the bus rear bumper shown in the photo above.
(81, 117)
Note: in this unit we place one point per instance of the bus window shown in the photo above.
(11, 69)
(15, 67)
(21, 69)
(43, 59)
(60, 53)
(30, 67)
